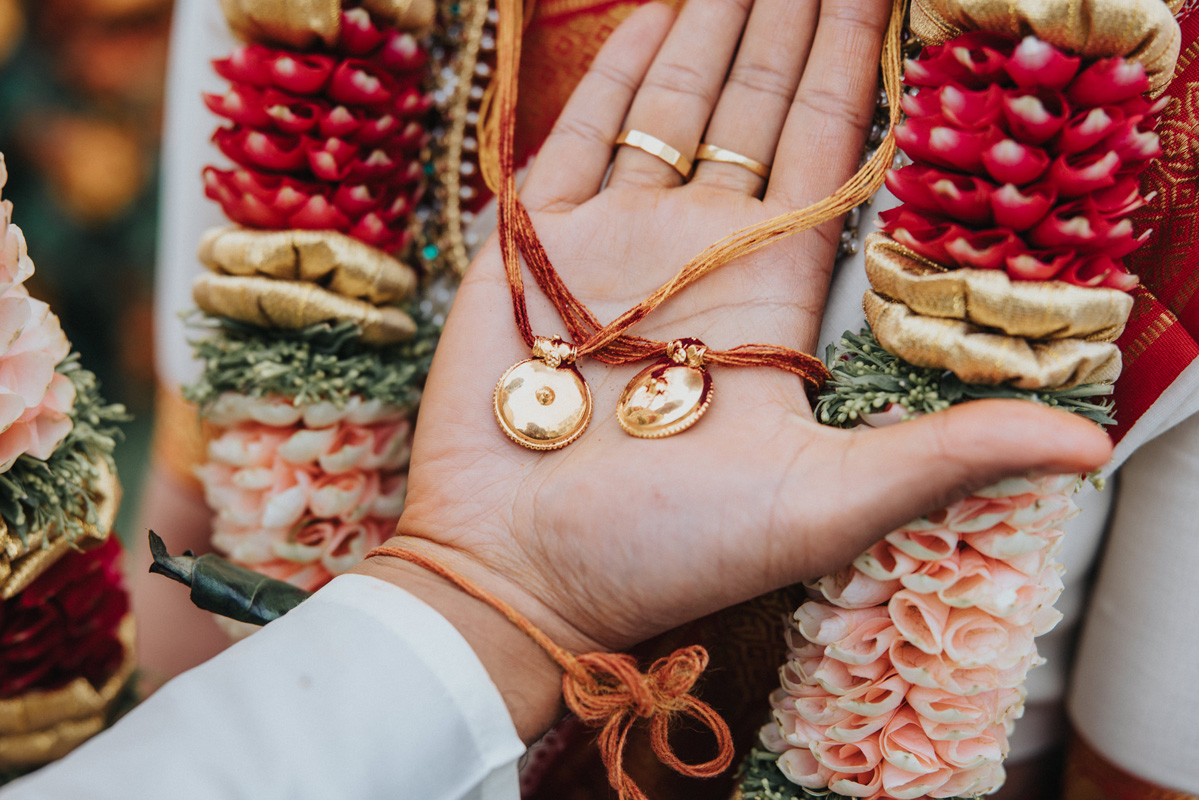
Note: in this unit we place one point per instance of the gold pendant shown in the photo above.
(543, 403)
(669, 396)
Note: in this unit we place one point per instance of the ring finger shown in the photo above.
(753, 106)
(676, 98)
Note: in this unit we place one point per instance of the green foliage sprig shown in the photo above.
(761, 779)
(866, 378)
(323, 362)
(36, 495)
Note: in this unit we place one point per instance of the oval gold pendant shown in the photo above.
(542, 407)
(664, 399)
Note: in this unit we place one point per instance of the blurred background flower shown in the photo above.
(81, 85)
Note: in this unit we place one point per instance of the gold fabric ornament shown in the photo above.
(297, 24)
(1144, 30)
(293, 305)
(339, 263)
(406, 15)
(22, 562)
(986, 297)
(43, 725)
(977, 355)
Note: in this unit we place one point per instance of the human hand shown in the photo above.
(614, 539)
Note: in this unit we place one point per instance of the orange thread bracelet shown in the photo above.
(607, 691)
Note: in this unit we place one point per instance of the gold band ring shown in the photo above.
(656, 148)
(709, 152)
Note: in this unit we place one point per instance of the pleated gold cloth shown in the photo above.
(301, 24)
(293, 305)
(1032, 309)
(977, 355)
(1144, 30)
(339, 263)
(40, 726)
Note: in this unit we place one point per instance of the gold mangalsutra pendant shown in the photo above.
(543, 403)
(669, 396)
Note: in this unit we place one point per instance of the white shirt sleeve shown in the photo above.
(361, 692)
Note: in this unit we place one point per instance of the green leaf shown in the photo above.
(225, 588)
(321, 363)
(866, 378)
(36, 494)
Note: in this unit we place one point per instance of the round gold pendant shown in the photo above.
(665, 398)
(542, 407)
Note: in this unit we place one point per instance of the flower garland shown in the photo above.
(315, 352)
(1000, 275)
(64, 624)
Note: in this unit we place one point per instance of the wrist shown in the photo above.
(527, 678)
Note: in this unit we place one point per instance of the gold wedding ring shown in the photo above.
(710, 152)
(656, 148)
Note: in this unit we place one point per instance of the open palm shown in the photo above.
(613, 539)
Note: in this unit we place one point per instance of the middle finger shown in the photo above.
(677, 96)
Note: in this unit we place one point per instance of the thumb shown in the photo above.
(911, 468)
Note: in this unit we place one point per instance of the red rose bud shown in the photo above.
(982, 249)
(1133, 145)
(246, 65)
(241, 104)
(974, 60)
(318, 214)
(341, 122)
(1034, 117)
(1108, 81)
(300, 74)
(1074, 176)
(359, 34)
(269, 151)
(401, 53)
(324, 140)
(411, 102)
(1024, 158)
(961, 107)
(1020, 209)
(1041, 265)
(357, 82)
(1035, 63)
(292, 115)
(1120, 199)
(963, 197)
(929, 140)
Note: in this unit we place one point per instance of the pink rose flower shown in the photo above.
(824, 624)
(859, 784)
(803, 768)
(884, 562)
(34, 400)
(867, 643)
(904, 785)
(905, 745)
(877, 699)
(851, 588)
(389, 502)
(925, 545)
(968, 783)
(987, 747)
(974, 638)
(920, 619)
(348, 496)
(850, 758)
